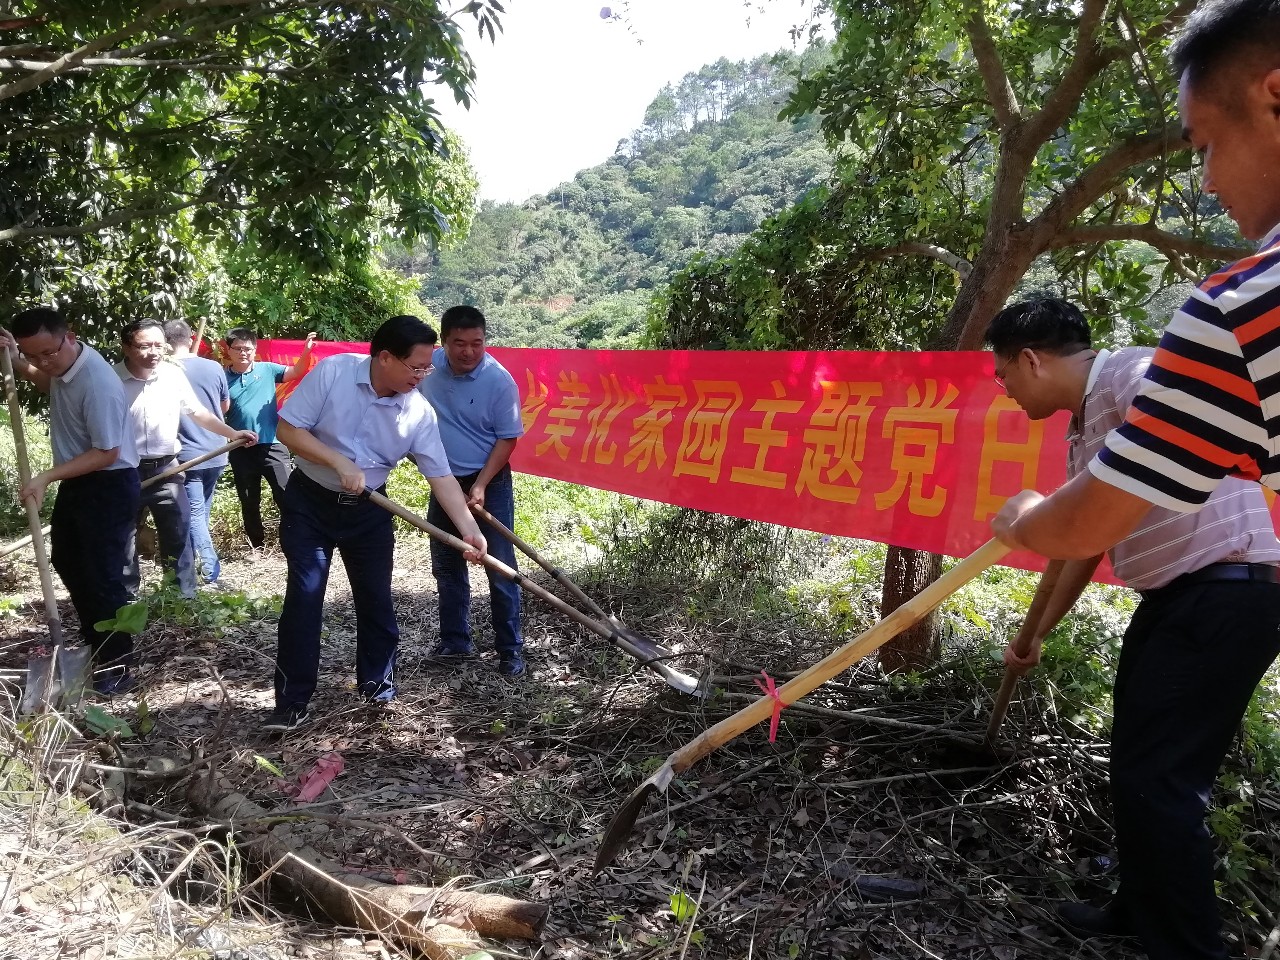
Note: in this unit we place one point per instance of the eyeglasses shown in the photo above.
(418, 372)
(47, 355)
(999, 377)
(243, 348)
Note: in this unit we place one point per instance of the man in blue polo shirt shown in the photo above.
(252, 387)
(478, 405)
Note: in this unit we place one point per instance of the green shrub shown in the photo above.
(13, 516)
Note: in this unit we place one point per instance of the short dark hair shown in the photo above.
(240, 333)
(1041, 322)
(177, 332)
(461, 317)
(399, 335)
(134, 327)
(1227, 33)
(30, 322)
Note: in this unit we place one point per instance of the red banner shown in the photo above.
(913, 449)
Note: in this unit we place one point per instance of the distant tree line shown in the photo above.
(575, 267)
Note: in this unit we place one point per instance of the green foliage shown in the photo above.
(946, 192)
(130, 618)
(309, 131)
(215, 612)
(13, 515)
(574, 268)
(546, 510)
(104, 724)
(281, 297)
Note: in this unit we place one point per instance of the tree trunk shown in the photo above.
(1005, 256)
(906, 573)
(441, 922)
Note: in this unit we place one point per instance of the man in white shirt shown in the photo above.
(158, 394)
(350, 421)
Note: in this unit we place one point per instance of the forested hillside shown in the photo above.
(575, 268)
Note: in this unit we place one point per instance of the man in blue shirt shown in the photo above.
(252, 387)
(349, 422)
(209, 382)
(478, 405)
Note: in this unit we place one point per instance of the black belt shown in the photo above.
(151, 462)
(318, 491)
(466, 479)
(1218, 573)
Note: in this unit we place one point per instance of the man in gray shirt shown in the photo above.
(95, 460)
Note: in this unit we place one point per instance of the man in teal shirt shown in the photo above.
(252, 385)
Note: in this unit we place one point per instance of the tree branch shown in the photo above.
(112, 220)
(191, 66)
(1063, 100)
(999, 91)
(69, 60)
(1102, 176)
(1164, 241)
(916, 249)
(1171, 21)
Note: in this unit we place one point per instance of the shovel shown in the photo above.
(1021, 643)
(674, 678)
(619, 829)
(38, 680)
(151, 482)
(650, 651)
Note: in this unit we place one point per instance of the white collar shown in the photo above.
(79, 363)
(1095, 370)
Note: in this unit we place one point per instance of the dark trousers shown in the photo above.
(453, 580)
(313, 522)
(249, 467)
(1190, 661)
(171, 510)
(93, 518)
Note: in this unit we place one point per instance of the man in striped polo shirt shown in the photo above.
(1200, 640)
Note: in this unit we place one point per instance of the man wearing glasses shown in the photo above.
(350, 421)
(1198, 643)
(478, 405)
(252, 387)
(95, 460)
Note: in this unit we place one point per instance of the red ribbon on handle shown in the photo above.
(769, 690)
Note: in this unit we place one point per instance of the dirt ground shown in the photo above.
(867, 831)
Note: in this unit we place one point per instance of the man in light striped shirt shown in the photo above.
(1197, 646)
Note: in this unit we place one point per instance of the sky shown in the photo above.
(562, 85)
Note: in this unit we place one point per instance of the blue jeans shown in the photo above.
(313, 521)
(200, 485)
(453, 582)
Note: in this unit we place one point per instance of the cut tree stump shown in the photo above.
(442, 922)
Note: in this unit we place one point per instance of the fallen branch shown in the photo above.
(441, 922)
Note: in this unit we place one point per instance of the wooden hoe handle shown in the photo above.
(1022, 644)
(841, 659)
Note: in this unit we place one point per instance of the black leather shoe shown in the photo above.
(1086, 920)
